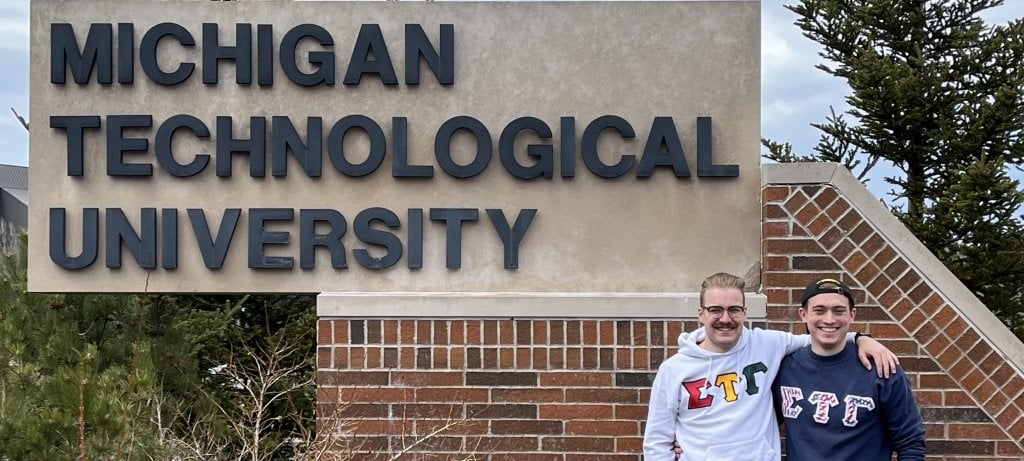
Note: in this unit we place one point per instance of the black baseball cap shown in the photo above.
(826, 286)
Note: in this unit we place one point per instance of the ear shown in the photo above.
(803, 314)
(853, 314)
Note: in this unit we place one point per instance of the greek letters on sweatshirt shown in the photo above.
(718, 405)
(835, 409)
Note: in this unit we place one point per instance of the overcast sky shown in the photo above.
(793, 93)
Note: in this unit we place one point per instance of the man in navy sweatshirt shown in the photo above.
(831, 407)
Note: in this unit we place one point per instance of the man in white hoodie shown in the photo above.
(713, 398)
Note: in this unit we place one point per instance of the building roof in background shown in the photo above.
(13, 177)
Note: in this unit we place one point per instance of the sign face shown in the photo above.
(268, 147)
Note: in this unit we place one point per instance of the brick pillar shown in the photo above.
(971, 397)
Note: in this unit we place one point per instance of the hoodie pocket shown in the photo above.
(747, 450)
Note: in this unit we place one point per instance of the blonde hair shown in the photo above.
(721, 280)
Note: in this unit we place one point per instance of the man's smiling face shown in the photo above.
(722, 333)
(828, 317)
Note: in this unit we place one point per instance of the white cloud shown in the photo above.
(14, 24)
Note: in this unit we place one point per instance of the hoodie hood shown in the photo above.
(689, 343)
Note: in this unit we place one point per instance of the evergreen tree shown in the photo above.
(76, 375)
(940, 96)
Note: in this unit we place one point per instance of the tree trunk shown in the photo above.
(82, 453)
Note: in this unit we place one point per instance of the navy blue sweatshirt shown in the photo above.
(834, 409)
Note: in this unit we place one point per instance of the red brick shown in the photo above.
(633, 412)
(357, 357)
(873, 245)
(340, 332)
(850, 221)
(775, 229)
(407, 357)
(374, 357)
(795, 202)
(771, 212)
(937, 345)
(791, 246)
(978, 431)
(576, 411)
(390, 332)
(606, 332)
(921, 292)
(837, 209)
(967, 340)
(842, 250)
(914, 320)
(895, 269)
(979, 353)
(573, 332)
(958, 398)
(973, 380)
(807, 213)
(879, 285)
(819, 225)
(456, 332)
(340, 361)
(928, 398)
(936, 381)
(830, 238)
(574, 358)
(995, 404)
(579, 444)
(523, 356)
(457, 358)
(902, 308)
(452, 394)
(774, 193)
(1009, 449)
(595, 427)
(951, 355)
(474, 332)
(590, 332)
(628, 445)
(925, 333)
(424, 331)
(908, 281)
(540, 358)
(889, 297)
(825, 197)
(887, 330)
(506, 332)
(861, 233)
(540, 332)
(855, 261)
(506, 357)
(1002, 372)
(640, 358)
(324, 332)
(885, 256)
(526, 395)
(957, 327)
(1010, 415)
(556, 358)
(408, 331)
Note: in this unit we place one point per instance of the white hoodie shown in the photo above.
(718, 405)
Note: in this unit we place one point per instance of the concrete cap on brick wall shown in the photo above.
(517, 305)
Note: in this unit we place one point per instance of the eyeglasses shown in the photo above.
(716, 312)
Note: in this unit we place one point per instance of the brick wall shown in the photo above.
(970, 395)
(522, 390)
(576, 389)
